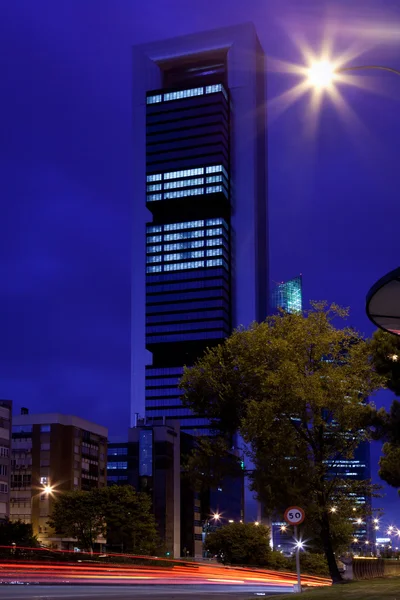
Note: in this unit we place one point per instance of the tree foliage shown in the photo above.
(129, 519)
(240, 544)
(385, 348)
(121, 514)
(77, 514)
(18, 533)
(210, 462)
(295, 387)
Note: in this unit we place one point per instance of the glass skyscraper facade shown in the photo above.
(288, 295)
(203, 182)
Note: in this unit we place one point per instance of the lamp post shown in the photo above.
(383, 298)
(47, 490)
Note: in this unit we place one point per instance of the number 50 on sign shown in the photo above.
(294, 515)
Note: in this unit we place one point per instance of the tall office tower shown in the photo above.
(288, 295)
(200, 246)
(53, 453)
(5, 457)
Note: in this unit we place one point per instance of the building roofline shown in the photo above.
(58, 418)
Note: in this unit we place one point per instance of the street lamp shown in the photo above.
(323, 73)
(383, 298)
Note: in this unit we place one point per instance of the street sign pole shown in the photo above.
(296, 537)
(294, 516)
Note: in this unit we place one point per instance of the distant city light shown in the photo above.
(256, 523)
(333, 509)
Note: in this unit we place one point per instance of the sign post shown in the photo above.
(294, 516)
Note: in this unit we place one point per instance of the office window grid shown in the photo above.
(180, 181)
(183, 260)
(188, 93)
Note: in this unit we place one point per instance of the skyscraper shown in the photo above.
(200, 249)
(288, 295)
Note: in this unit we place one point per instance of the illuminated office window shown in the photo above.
(154, 187)
(154, 177)
(213, 189)
(153, 197)
(154, 259)
(154, 99)
(154, 228)
(183, 94)
(154, 269)
(168, 237)
(185, 225)
(184, 173)
(182, 245)
(187, 265)
(154, 238)
(183, 183)
(183, 255)
(153, 249)
(183, 193)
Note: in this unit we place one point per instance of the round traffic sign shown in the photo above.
(294, 515)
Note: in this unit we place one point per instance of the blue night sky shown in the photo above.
(66, 189)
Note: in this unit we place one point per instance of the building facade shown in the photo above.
(152, 461)
(288, 295)
(200, 207)
(53, 453)
(5, 457)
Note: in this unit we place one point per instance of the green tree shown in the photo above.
(240, 544)
(129, 519)
(294, 387)
(77, 514)
(385, 348)
(386, 359)
(17, 533)
(118, 513)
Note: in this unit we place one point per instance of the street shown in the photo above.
(170, 592)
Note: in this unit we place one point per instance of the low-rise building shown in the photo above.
(53, 453)
(5, 457)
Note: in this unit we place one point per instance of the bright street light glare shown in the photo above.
(299, 545)
(48, 489)
(256, 523)
(216, 516)
(321, 74)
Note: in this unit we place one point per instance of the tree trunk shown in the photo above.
(329, 554)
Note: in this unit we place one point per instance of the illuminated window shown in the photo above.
(181, 266)
(217, 231)
(214, 252)
(183, 183)
(183, 193)
(154, 269)
(183, 255)
(215, 222)
(153, 197)
(185, 225)
(217, 169)
(183, 94)
(152, 249)
(155, 177)
(154, 99)
(154, 238)
(117, 465)
(154, 259)
(185, 173)
(183, 235)
(154, 228)
(212, 89)
(212, 179)
(154, 187)
(182, 245)
(213, 189)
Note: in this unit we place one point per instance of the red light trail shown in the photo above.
(54, 571)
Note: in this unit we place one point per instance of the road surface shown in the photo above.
(137, 592)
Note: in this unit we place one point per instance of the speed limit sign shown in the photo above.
(294, 515)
